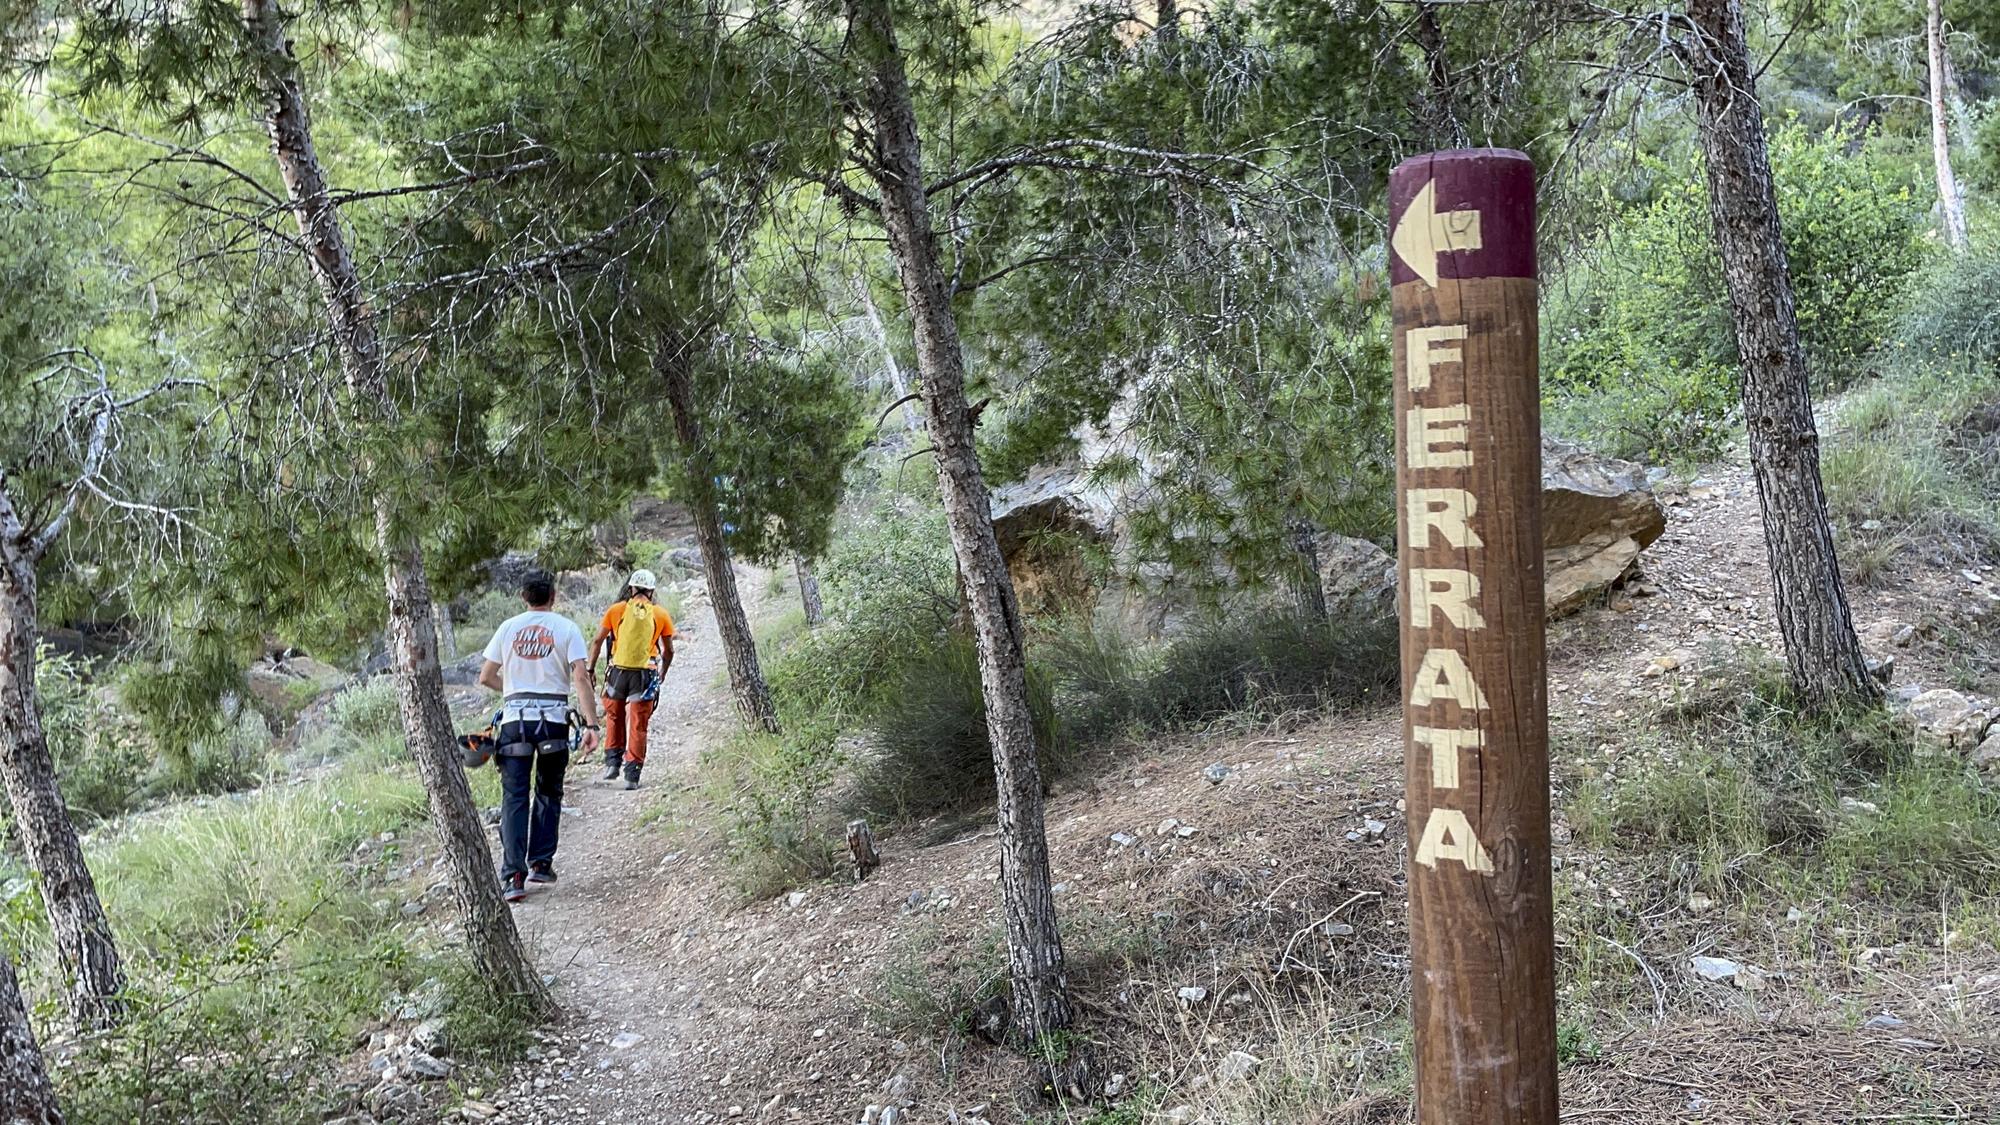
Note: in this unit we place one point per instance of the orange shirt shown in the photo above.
(663, 625)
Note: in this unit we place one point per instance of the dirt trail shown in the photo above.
(612, 932)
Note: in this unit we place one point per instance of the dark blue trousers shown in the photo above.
(531, 791)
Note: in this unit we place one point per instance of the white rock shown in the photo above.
(626, 1040)
(1714, 968)
(1123, 839)
(1237, 1066)
(1193, 994)
(1167, 827)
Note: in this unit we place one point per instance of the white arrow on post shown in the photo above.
(1422, 234)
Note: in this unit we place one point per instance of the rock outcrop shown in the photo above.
(1598, 513)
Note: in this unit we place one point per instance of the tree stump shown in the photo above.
(861, 845)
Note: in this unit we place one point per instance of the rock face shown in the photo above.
(1598, 513)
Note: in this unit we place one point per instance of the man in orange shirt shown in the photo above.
(635, 633)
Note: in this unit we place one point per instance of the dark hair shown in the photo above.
(538, 588)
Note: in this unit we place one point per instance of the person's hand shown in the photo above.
(593, 671)
(590, 740)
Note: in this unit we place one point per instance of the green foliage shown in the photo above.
(1258, 663)
(1954, 313)
(110, 761)
(889, 589)
(929, 750)
(1916, 461)
(1747, 789)
(924, 984)
(769, 790)
(101, 760)
(1639, 348)
(367, 709)
(254, 950)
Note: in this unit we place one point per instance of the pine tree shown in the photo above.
(665, 192)
(44, 478)
(1034, 942)
(1823, 653)
(214, 56)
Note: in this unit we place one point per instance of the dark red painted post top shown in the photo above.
(1495, 184)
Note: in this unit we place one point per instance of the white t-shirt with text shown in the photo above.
(535, 651)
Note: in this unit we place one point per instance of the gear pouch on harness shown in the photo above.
(533, 726)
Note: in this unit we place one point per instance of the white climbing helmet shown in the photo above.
(643, 580)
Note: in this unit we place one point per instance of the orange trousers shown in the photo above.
(626, 719)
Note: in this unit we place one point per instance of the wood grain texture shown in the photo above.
(1474, 668)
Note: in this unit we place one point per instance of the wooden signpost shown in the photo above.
(1475, 710)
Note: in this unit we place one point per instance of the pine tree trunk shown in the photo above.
(1310, 591)
(739, 644)
(1034, 945)
(1441, 100)
(26, 1098)
(1949, 197)
(809, 591)
(42, 823)
(1820, 646)
(491, 937)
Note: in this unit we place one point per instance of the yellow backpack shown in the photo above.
(632, 641)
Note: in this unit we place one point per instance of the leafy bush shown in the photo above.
(1260, 663)
(255, 950)
(888, 592)
(770, 789)
(366, 709)
(232, 758)
(1640, 351)
(930, 747)
(102, 759)
(1954, 312)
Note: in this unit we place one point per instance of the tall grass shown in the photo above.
(1745, 792)
(1915, 462)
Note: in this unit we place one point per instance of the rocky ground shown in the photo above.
(1215, 888)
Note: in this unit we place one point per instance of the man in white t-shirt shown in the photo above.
(534, 660)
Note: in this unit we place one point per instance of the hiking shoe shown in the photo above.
(542, 872)
(611, 769)
(632, 777)
(514, 888)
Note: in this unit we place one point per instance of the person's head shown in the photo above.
(538, 589)
(641, 585)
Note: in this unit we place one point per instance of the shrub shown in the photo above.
(1267, 663)
(232, 758)
(1749, 788)
(930, 751)
(1640, 349)
(1954, 312)
(770, 790)
(102, 758)
(366, 709)
(255, 951)
(1258, 664)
